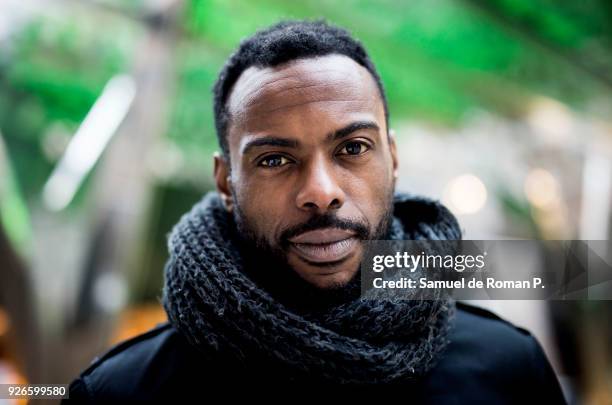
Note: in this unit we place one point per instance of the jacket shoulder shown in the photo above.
(491, 356)
(486, 316)
(137, 368)
(489, 337)
(156, 335)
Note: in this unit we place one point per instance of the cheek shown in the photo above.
(370, 189)
(263, 208)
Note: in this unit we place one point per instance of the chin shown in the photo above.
(328, 280)
(326, 276)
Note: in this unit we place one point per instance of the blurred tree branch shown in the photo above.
(580, 62)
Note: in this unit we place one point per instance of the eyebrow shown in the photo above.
(292, 143)
(350, 128)
(269, 141)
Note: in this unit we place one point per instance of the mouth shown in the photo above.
(324, 246)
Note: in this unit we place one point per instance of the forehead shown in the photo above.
(304, 93)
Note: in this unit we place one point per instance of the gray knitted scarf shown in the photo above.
(212, 299)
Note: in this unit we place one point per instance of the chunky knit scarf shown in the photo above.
(211, 300)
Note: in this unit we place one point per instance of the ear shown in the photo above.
(223, 181)
(393, 150)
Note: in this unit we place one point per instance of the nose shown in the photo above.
(320, 190)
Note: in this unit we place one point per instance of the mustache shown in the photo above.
(360, 228)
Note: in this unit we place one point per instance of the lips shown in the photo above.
(324, 245)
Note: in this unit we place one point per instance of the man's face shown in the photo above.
(312, 168)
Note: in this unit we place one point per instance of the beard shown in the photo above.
(266, 263)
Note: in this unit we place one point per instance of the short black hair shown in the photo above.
(280, 43)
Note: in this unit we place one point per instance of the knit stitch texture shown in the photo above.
(211, 300)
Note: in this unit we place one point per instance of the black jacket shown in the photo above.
(487, 361)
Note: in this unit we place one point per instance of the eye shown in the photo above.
(274, 161)
(354, 148)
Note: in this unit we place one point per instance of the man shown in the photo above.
(262, 284)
